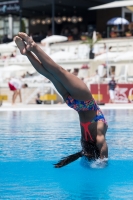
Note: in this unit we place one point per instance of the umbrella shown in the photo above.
(117, 21)
(54, 38)
(114, 4)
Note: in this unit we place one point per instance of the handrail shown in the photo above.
(43, 85)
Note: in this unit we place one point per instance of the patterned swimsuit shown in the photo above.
(84, 106)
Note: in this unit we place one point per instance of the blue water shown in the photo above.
(32, 141)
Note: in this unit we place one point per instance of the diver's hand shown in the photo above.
(102, 146)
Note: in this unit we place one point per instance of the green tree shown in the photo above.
(91, 43)
(22, 27)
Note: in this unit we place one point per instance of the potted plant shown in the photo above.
(113, 34)
(23, 27)
(70, 38)
(83, 37)
(91, 43)
(128, 34)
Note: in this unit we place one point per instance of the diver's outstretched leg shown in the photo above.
(76, 87)
(38, 66)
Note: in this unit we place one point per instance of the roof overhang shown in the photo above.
(114, 4)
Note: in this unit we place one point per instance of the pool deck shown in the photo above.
(28, 107)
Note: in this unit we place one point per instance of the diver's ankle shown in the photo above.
(34, 46)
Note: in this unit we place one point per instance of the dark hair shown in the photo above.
(91, 152)
(66, 160)
(25, 85)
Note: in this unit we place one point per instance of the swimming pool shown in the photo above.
(31, 142)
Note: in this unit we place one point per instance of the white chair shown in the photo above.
(123, 74)
(83, 73)
(101, 70)
(130, 74)
(83, 51)
(72, 49)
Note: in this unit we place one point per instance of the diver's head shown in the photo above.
(90, 151)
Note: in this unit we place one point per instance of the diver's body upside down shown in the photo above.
(89, 132)
(76, 95)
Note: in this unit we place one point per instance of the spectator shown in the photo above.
(111, 88)
(104, 50)
(75, 32)
(13, 54)
(69, 70)
(41, 36)
(38, 101)
(112, 71)
(76, 71)
(93, 79)
(49, 33)
(6, 39)
(66, 32)
(110, 48)
(27, 74)
(15, 85)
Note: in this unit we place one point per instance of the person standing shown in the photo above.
(111, 88)
(38, 101)
(15, 85)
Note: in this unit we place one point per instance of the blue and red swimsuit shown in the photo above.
(79, 105)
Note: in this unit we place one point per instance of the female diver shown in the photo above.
(76, 95)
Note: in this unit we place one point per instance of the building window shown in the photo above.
(16, 25)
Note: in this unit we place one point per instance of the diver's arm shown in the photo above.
(102, 146)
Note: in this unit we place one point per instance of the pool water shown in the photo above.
(32, 141)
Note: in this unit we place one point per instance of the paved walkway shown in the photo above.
(28, 107)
